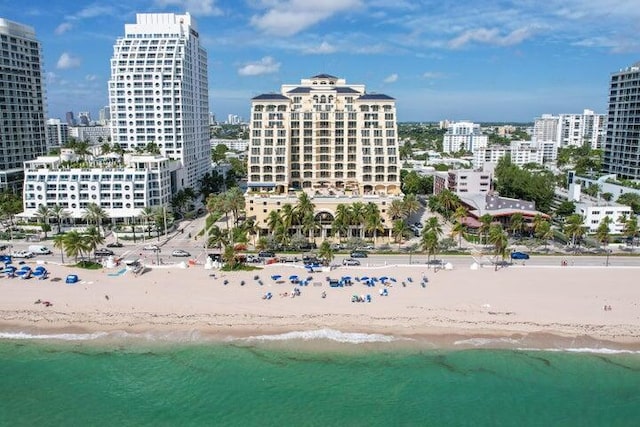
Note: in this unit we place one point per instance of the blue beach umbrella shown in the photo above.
(276, 276)
(365, 278)
(293, 277)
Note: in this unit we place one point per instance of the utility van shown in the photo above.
(39, 250)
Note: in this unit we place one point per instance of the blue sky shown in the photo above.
(475, 60)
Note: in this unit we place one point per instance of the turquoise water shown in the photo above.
(248, 384)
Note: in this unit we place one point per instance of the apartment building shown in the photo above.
(92, 134)
(570, 130)
(463, 136)
(22, 102)
(519, 152)
(158, 92)
(57, 133)
(622, 142)
(462, 181)
(122, 190)
(324, 134)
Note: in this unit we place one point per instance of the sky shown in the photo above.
(499, 60)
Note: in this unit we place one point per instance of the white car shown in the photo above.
(153, 248)
(180, 252)
(21, 254)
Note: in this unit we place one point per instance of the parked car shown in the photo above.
(103, 252)
(253, 258)
(153, 248)
(350, 261)
(21, 254)
(114, 245)
(180, 252)
(519, 255)
(359, 254)
(39, 250)
(266, 254)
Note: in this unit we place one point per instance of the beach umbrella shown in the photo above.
(384, 278)
(393, 279)
(346, 277)
(293, 277)
(365, 278)
(276, 277)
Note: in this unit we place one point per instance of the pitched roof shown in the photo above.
(324, 76)
(346, 89)
(375, 96)
(300, 89)
(274, 96)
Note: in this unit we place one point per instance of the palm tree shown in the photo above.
(274, 221)
(289, 217)
(60, 214)
(325, 252)
(43, 213)
(147, 215)
(603, 234)
(358, 217)
(93, 238)
(309, 225)
(516, 224)
(94, 213)
(373, 220)
(433, 226)
(574, 227)
(304, 206)
(235, 203)
(449, 202)
(458, 230)
(342, 220)
(59, 243)
(631, 229)
(499, 239)
(74, 244)
(396, 210)
(400, 230)
(544, 232)
(411, 204)
(485, 225)
(429, 243)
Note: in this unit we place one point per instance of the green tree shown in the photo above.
(75, 245)
(500, 241)
(603, 234)
(632, 200)
(60, 214)
(565, 209)
(429, 242)
(95, 214)
(574, 227)
(93, 239)
(458, 230)
(411, 204)
(400, 231)
(373, 221)
(396, 210)
(513, 181)
(59, 243)
(325, 252)
(543, 232)
(517, 224)
(631, 230)
(43, 213)
(485, 225)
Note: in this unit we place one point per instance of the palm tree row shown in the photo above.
(93, 214)
(75, 244)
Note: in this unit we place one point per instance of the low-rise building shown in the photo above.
(232, 144)
(93, 134)
(520, 153)
(594, 213)
(121, 189)
(463, 136)
(462, 181)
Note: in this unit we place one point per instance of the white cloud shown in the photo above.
(391, 78)
(491, 36)
(196, 7)
(288, 17)
(324, 48)
(63, 28)
(266, 65)
(67, 60)
(93, 11)
(432, 75)
(90, 77)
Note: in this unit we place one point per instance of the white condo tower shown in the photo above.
(158, 93)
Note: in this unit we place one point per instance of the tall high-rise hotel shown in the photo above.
(324, 134)
(622, 143)
(158, 93)
(22, 102)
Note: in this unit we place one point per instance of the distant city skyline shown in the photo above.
(510, 62)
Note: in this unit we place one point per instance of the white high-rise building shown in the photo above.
(570, 130)
(57, 133)
(158, 92)
(22, 102)
(465, 136)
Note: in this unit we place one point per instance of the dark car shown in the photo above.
(266, 254)
(359, 254)
(114, 245)
(104, 252)
(519, 255)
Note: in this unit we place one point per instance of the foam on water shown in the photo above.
(325, 334)
(61, 337)
(602, 350)
(482, 342)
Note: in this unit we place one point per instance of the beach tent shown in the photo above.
(72, 278)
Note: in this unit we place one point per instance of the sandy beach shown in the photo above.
(518, 301)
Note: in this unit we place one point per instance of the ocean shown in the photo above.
(321, 378)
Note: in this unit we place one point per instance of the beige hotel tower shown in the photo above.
(332, 140)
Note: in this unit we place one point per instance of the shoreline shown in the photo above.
(516, 307)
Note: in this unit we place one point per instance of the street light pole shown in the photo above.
(608, 252)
